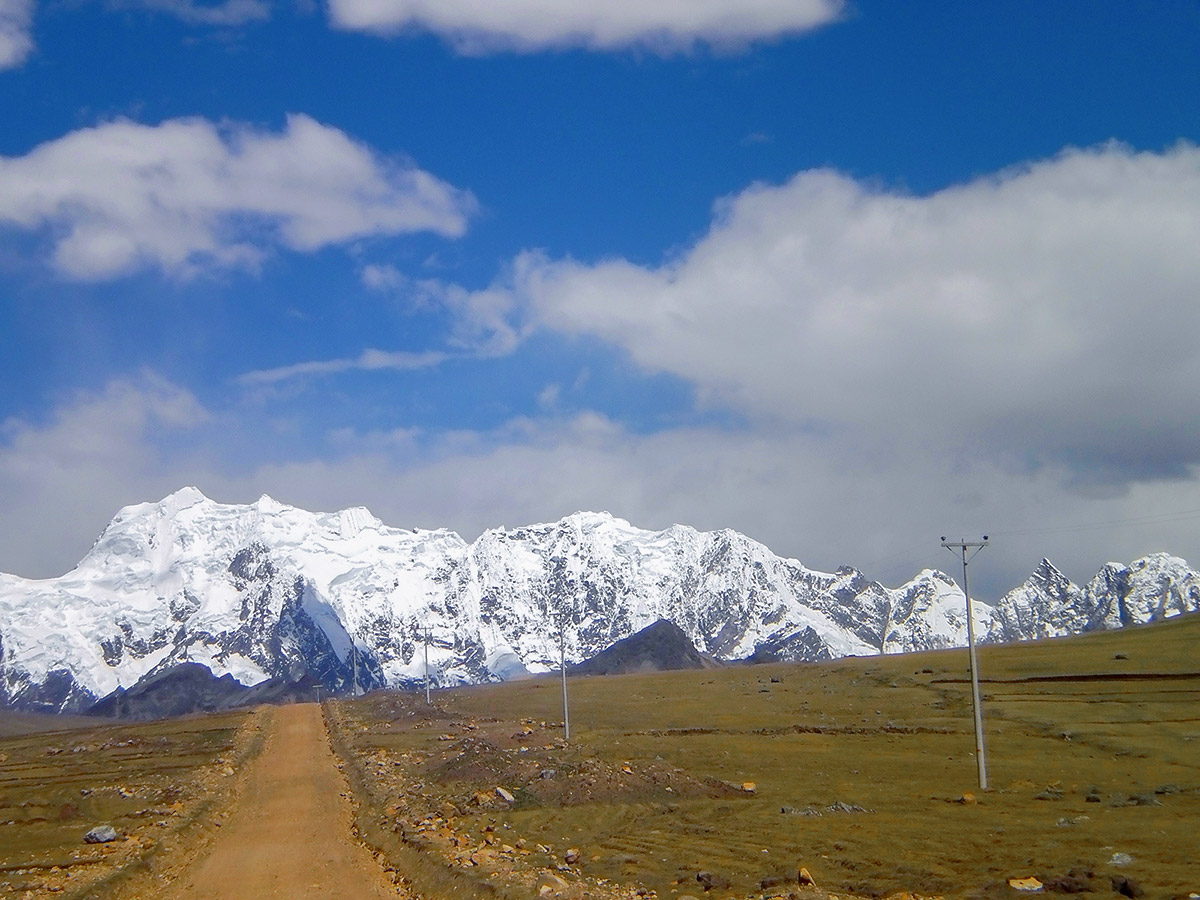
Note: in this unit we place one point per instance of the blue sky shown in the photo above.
(845, 277)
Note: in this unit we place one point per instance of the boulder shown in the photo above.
(1126, 886)
(708, 881)
(101, 834)
(1026, 883)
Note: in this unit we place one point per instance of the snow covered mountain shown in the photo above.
(266, 590)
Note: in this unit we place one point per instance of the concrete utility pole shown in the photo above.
(960, 548)
(562, 651)
(426, 665)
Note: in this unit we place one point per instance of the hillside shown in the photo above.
(659, 647)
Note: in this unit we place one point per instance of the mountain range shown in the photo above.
(268, 591)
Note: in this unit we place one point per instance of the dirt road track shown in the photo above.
(289, 833)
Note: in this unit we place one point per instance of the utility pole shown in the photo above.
(354, 658)
(960, 548)
(426, 665)
(562, 652)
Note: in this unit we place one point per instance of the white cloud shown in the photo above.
(485, 322)
(225, 14)
(370, 360)
(140, 438)
(1043, 316)
(483, 26)
(16, 32)
(64, 478)
(188, 193)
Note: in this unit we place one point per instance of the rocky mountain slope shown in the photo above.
(266, 590)
(659, 647)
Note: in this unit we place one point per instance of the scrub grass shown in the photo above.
(863, 772)
(150, 781)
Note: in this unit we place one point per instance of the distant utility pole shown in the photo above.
(426, 665)
(562, 652)
(354, 658)
(961, 549)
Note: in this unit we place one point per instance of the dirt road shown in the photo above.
(289, 833)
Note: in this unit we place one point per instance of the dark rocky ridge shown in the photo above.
(191, 687)
(658, 647)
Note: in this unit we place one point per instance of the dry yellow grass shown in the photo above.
(1103, 762)
(151, 781)
(857, 767)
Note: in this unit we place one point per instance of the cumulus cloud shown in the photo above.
(1042, 316)
(63, 478)
(530, 25)
(140, 438)
(485, 322)
(16, 32)
(189, 194)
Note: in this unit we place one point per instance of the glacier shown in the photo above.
(267, 590)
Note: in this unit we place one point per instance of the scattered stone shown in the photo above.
(1093, 795)
(101, 834)
(839, 806)
(708, 881)
(572, 856)
(547, 773)
(1121, 859)
(505, 795)
(1028, 883)
(1049, 793)
(1072, 820)
(804, 878)
(1120, 656)
(1076, 881)
(1136, 800)
(749, 787)
(966, 799)
(1125, 886)
(1167, 789)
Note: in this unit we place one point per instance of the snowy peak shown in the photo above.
(1048, 604)
(267, 590)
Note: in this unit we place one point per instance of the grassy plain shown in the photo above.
(156, 783)
(863, 772)
(859, 769)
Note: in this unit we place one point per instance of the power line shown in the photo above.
(1159, 519)
(905, 562)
